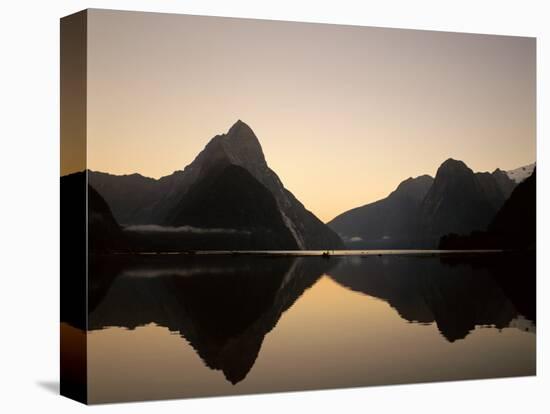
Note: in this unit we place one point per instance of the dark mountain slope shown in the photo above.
(513, 227)
(455, 202)
(504, 182)
(459, 201)
(517, 217)
(231, 198)
(390, 222)
(104, 233)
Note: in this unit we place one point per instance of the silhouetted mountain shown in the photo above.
(460, 201)
(513, 227)
(104, 233)
(517, 217)
(160, 201)
(423, 209)
(230, 198)
(222, 305)
(390, 222)
(241, 147)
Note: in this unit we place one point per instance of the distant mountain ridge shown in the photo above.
(457, 200)
(135, 199)
(230, 178)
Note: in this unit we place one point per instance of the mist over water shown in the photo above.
(153, 228)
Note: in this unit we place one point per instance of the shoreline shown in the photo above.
(314, 253)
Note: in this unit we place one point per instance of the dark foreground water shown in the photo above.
(186, 326)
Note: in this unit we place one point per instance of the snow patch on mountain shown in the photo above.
(521, 173)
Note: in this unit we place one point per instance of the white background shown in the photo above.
(29, 124)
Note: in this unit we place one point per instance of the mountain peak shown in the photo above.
(241, 147)
(452, 166)
(452, 163)
(240, 129)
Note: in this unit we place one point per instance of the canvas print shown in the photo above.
(254, 206)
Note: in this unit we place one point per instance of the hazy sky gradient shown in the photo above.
(343, 113)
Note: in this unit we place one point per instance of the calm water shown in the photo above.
(184, 326)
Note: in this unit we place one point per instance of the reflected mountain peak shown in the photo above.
(223, 306)
(456, 295)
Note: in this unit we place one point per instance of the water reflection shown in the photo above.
(457, 293)
(225, 306)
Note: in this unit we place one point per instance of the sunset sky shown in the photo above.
(343, 113)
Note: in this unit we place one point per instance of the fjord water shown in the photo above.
(192, 325)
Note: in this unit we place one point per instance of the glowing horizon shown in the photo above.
(343, 113)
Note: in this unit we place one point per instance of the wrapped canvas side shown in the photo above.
(73, 202)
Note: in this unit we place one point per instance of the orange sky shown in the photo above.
(343, 113)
